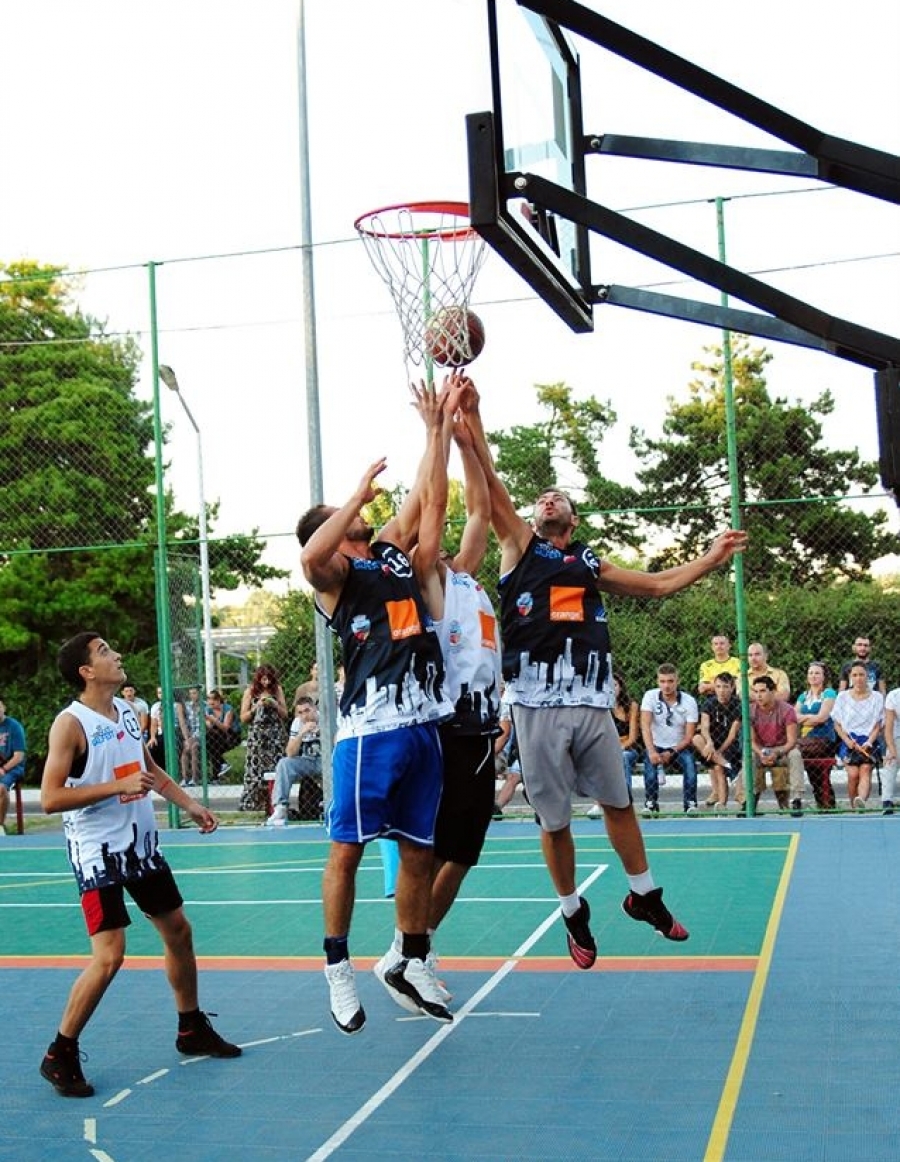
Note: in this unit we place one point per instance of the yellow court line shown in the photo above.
(721, 1128)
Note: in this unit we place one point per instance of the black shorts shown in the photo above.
(155, 894)
(467, 800)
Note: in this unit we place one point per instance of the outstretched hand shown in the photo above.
(367, 489)
(727, 544)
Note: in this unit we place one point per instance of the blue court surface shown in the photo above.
(773, 1033)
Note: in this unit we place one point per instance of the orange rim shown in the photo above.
(365, 223)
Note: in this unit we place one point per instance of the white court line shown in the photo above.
(406, 1071)
(90, 1130)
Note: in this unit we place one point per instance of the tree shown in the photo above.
(564, 451)
(784, 473)
(77, 472)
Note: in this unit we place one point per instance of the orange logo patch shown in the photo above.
(566, 603)
(123, 772)
(488, 630)
(403, 618)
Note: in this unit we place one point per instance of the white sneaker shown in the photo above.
(416, 979)
(278, 818)
(381, 967)
(594, 812)
(432, 961)
(347, 1012)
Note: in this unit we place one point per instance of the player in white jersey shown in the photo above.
(99, 774)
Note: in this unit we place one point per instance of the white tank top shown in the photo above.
(470, 643)
(116, 839)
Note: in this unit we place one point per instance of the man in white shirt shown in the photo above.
(669, 718)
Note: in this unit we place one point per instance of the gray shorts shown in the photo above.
(568, 750)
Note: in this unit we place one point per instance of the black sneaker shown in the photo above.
(796, 808)
(887, 807)
(62, 1068)
(582, 946)
(416, 979)
(650, 908)
(651, 808)
(201, 1040)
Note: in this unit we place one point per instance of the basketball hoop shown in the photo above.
(429, 256)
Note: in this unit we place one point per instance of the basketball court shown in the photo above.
(767, 1035)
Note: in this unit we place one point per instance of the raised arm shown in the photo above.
(513, 533)
(324, 567)
(432, 487)
(474, 541)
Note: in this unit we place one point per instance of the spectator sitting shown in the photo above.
(858, 716)
(773, 724)
(718, 741)
(892, 747)
(758, 665)
(303, 760)
(12, 759)
(626, 714)
(817, 737)
(862, 649)
(669, 719)
(220, 734)
(140, 708)
(190, 738)
(721, 662)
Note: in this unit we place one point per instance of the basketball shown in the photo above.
(454, 337)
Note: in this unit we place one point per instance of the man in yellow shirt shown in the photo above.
(721, 662)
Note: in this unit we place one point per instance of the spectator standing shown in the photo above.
(506, 759)
(96, 759)
(722, 662)
(858, 717)
(12, 759)
(309, 688)
(302, 759)
(817, 740)
(862, 652)
(892, 748)
(758, 665)
(669, 718)
(265, 712)
(773, 726)
(140, 708)
(192, 716)
(718, 741)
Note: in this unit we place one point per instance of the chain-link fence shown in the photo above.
(89, 438)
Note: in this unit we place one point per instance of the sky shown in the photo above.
(168, 131)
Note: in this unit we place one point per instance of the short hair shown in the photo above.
(667, 668)
(75, 653)
(765, 680)
(311, 520)
(724, 677)
(304, 700)
(559, 492)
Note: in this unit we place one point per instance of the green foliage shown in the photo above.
(292, 649)
(782, 465)
(564, 451)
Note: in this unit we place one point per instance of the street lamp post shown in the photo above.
(167, 375)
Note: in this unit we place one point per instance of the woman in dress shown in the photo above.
(264, 711)
(858, 717)
(817, 738)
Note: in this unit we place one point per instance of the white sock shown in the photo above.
(570, 904)
(642, 884)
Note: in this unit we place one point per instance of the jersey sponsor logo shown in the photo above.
(361, 627)
(403, 618)
(488, 625)
(122, 772)
(545, 549)
(566, 603)
(524, 604)
(131, 724)
(454, 634)
(102, 734)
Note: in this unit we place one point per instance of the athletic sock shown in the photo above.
(642, 884)
(570, 904)
(415, 946)
(336, 949)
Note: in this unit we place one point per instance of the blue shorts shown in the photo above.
(386, 784)
(9, 779)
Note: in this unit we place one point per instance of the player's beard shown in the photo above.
(553, 526)
(362, 534)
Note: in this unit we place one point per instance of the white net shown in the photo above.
(429, 257)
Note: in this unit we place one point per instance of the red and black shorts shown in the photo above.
(155, 894)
